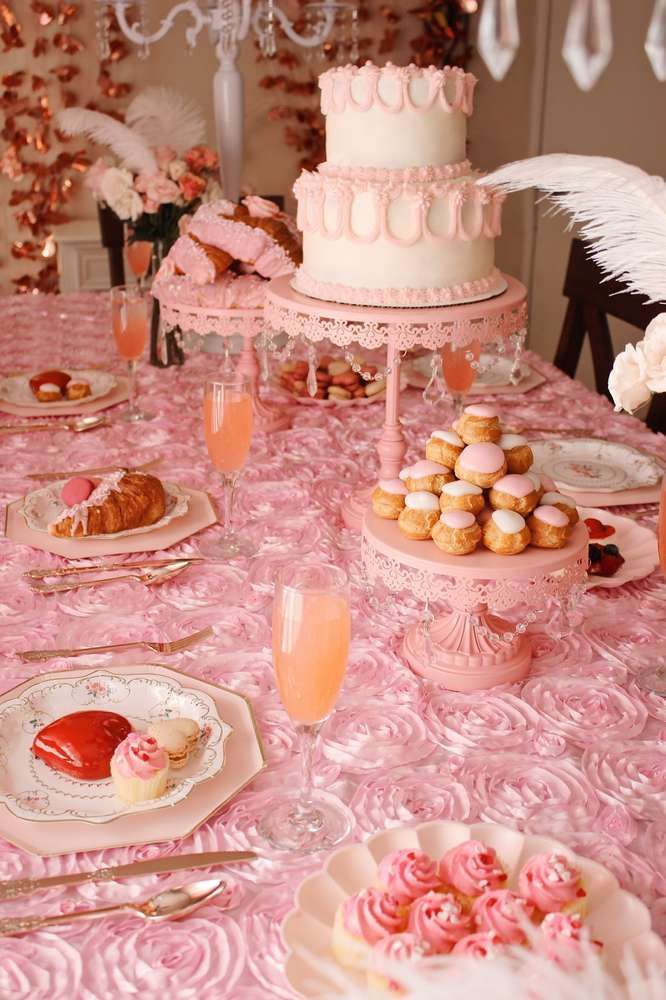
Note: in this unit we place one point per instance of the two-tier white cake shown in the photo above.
(393, 217)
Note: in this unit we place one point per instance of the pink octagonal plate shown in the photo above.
(615, 917)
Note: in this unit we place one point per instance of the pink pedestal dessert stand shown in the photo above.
(469, 647)
(400, 330)
(248, 323)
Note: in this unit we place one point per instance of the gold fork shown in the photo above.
(166, 648)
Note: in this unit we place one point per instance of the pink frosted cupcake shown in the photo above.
(470, 869)
(552, 884)
(565, 939)
(503, 913)
(438, 919)
(363, 920)
(406, 875)
(397, 949)
(483, 944)
(139, 768)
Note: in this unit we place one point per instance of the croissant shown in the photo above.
(119, 502)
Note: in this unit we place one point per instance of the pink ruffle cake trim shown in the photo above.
(399, 298)
(337, 94)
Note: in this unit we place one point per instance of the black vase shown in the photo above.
(165, 349)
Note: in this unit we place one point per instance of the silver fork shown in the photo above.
(149, 576)
(165, 648)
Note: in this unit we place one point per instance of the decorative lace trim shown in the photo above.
(398, 297)
(337, 95)
(397, 176)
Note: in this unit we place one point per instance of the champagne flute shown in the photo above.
(458, 371)
(138, 254)
(228, 433)
(311, 634)
(130, 314)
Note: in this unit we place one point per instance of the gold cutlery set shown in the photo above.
(164, 648)
(79, 425)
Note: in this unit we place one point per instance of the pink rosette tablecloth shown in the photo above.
(577, 751)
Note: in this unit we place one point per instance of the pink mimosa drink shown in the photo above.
(311, 634)
(458, 372)
(228, 427)
(130, 328)
(661, 534)
(138, 257)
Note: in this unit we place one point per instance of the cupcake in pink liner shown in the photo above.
(397, 949)
(483, 944)
(503, 913)
(407, 874)
(470, 869)
(565, 940)
(139, 768)
(438, 919)
(363, 920)
(552, 883)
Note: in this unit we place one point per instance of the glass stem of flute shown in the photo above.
(305, 812)
(230, 479)
(131, 387)
(458, 399)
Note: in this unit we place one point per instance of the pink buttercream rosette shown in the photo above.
(406, 875)
(438, 919)
(551, 883)
(503, 913)
(471, 869)
(391, 951)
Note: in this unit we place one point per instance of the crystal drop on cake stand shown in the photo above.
(588, 41)
(499, 37)
(655, 42)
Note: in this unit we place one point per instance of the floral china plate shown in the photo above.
(594, 465)
(16, 388)
(44, 505)
(32, 790)
(615, 918)
(637, 544)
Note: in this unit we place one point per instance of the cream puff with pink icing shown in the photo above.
(460, 495)
(456, 532)
(481, 464)
(470, 869)
(503, 913)
(564, 503)
(139, 768)
(514, 492)
(426, 475)
(399, 949)
(536, 482)
(388, 498)
(444, 447)
(549, 527)
(479, 422)
(506, 533)
(552, 884)
(361, 921)
(407, 874)
(518, 453)
(419, 516)
(438, 919)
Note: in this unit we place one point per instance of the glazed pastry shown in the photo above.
(536, 480)
(48, 392)
(518, 453)
(179, 738)
(120, 501)
(552, 884)
(81, 744)
(456, 532)
(426, 475)
(363, 920)
(460, 495)
(564, 503)
(444, 447)
(514, 493)
(481, 464)
(549, 527)
(139, 769)
(470, 869)
(420, 515)
(77, 390)
(396, 949)
(49, 386)
(388, 498)
(407, 874)
(506, 533)
(503, 913)
(479, 423)
(438, 919)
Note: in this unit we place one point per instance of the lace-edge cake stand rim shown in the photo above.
(205, 319)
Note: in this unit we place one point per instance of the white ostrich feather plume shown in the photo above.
(131, 148)
(163, 117)
(620, 209)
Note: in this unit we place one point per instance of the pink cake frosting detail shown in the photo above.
(260, 208)
(438, 919)
(139, 756)
(484, 458)
(406, 875)
(190, 258)
(515, 485)
(394, 486)
(423, 468)
(550, 881)
(397, 176)
(504, 913)
(372, 915)
(399, 298)
(338, 94)
(459, 519)
(483, 944)
(481, 410)
(472, 868)
(551, 515)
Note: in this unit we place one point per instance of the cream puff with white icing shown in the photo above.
(444, 447)
(506, 533)
(549, 527)
(518, 453)
(514, 493)
(426, 476)
(536, 482)
(460, 495)
(456, 532)
(564, 503)
(482, 464)
(479, 422)
(388, 498)
(419, 516)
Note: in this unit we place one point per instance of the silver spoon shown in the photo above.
(170, 904)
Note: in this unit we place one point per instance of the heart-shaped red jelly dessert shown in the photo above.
(81, 744)
(598, 529)
(54, 377)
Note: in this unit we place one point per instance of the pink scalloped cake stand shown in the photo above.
(248, 323)
(297, 315)
(462, 649)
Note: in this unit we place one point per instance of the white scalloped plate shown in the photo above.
(636, 543)
(615, 917)
(16, 389)
(594, 465)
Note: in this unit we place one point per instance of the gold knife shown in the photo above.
(42, 574)
(155, 866)
(67, 473)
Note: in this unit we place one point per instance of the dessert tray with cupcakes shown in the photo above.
(54, 392)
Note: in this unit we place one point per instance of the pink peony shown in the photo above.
(157, 188)
(200, 158)
(164, 155)
(627, 381)
(654, 352)
(191, 186)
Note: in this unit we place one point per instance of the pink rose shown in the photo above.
(654, 352)
(157, 188)
(260, 208)
(191, 186)
(627, 381)
(94, 176)
(164, 155)
(200, 158)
